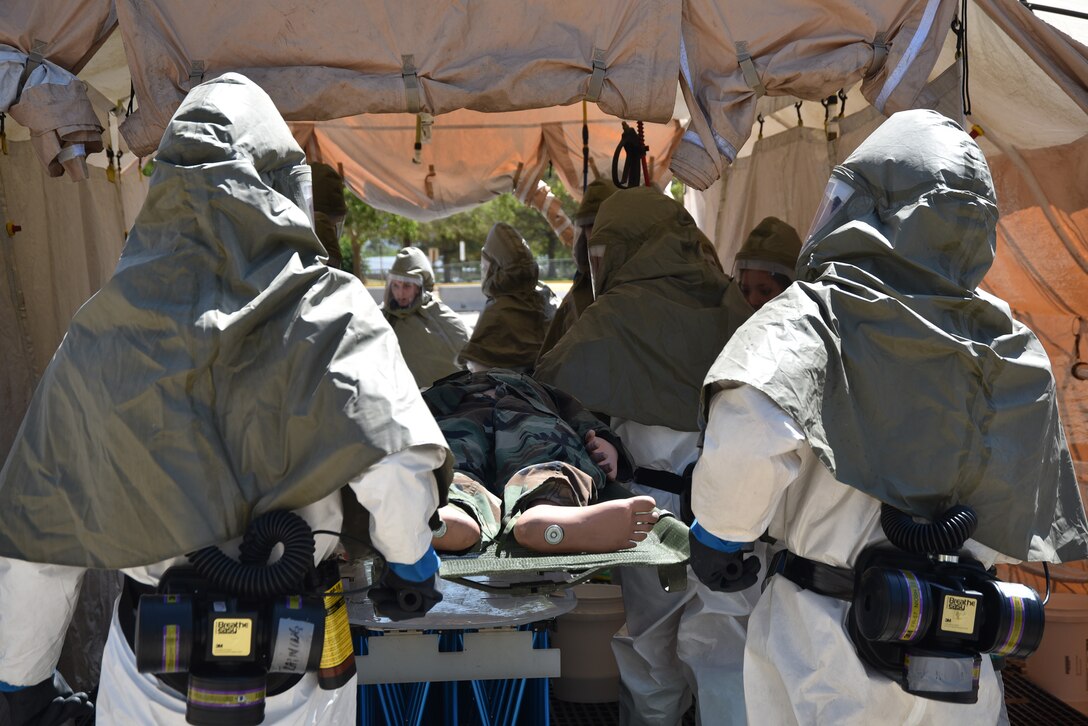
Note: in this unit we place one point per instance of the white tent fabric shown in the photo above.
(345, 57)
(472, 157)
(68, 245)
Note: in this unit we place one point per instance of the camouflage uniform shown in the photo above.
(516, 442)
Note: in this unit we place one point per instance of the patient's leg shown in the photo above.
(604, 527)
(472, 517)
(556, 493)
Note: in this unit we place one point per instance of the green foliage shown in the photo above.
(374, 232)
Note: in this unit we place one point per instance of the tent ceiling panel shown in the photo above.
(71, 29)
(346, 57)
(471, 158)
(733, 53)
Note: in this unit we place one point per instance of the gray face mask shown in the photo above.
(296, 183)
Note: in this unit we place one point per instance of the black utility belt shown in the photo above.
(822, 579)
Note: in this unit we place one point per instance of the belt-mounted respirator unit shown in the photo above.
(923, 614)
(243, 628)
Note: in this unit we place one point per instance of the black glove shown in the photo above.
(399, 599)
(49, 703)
(722, 571)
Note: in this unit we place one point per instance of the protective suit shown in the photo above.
(882, 375)
(430, 334)
(519, 308)
(580, 294)
(638, 354)
(223, 372)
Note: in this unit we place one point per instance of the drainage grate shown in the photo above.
(1029, 705)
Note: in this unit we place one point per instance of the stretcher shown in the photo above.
(505, 567)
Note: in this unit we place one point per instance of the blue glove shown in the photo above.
(49, 703)
(720, 564)
(407, 591)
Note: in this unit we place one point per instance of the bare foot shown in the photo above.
(605, 527)
(462, 531)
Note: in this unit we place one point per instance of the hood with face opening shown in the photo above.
(430, 334)
(664, 310)
(223, 371)
(410, 265)
(910, 384)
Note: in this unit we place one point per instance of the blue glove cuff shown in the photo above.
(713, 542)
(9, 688)
(420, 570)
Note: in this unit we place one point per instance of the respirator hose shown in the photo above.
(945, 535)
(252, 576)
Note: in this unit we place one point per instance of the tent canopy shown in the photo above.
(353, 76)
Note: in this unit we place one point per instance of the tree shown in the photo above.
(368, 227)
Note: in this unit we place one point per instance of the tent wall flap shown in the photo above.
(472, 157)
(72, 30)
(735, 52)
(346, 57)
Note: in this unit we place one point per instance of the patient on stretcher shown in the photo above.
(529, 462)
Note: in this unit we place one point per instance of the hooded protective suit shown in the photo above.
(882, 375)
(639, 354)
(221, 373)
(772, 246)
(580, 294)
(519, 308)
(430, 334)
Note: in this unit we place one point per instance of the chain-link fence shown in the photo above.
(377, 268)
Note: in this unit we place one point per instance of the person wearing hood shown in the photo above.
(430, 334)
(519, 308)
(639, 354)
(330, 210)
(580, 294)
(886, 422)
(764, 266)
(224, 382)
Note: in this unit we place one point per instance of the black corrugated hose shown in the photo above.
(253, 576)
(945, 535)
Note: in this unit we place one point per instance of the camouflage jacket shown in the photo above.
(497, 422)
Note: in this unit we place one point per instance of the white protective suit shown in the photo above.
(800, 666)
(398, 489)
(222, 373)
(680, 644)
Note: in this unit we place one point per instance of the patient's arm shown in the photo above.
(603, 453)
(462, 531)
(609, 526)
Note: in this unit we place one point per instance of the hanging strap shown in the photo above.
(196, 72)
(33, 59)
(596, 81)
(880, 55)
(748, 68)
(411, 83)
